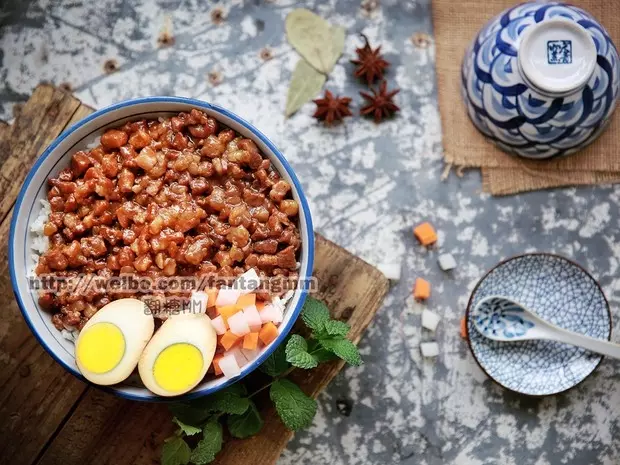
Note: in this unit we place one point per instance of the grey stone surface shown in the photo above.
(368, 185)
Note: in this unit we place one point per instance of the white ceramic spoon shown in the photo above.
(501, 319)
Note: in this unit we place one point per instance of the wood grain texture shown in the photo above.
(36, 393)
(42, 118)
(116, 431)
(52, 418)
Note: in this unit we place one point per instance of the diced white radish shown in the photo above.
(229, 366)
(199, 302)
(429, 349)
(253, 317)
(446, 262)
(271, 313)
(250, 354)
(430, 320)
(390, 270)
(247, 282)
(227, 296)
(219, 325)
(238, 324)
(239, 356)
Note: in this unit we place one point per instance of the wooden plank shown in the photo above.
(104, 429)
(42, 118)
(35, 392)
(4, 127)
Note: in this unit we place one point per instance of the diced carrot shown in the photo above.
(425, 233)
(212, 293)
(245, 301)
(229, 339)
(216, 364)
(250, 341)
(268, 333)
(260, 304)
(227, 311)
(463, 328)
(421, 289)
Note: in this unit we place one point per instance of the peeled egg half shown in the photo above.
(178, 356)
(108, 348)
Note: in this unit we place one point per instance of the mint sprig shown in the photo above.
(234, 407)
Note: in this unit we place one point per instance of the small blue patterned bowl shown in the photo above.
(561, 292)
(541, 79)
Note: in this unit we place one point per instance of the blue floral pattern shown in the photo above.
(562, 293)
(519, 118)
(500, 317)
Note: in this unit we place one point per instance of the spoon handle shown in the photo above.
(599, 346)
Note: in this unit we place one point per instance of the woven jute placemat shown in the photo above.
(455, 25)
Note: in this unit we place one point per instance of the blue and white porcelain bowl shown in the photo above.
(541, 79)
(58, 156)
(559, 291)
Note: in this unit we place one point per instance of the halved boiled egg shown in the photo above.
(108, 348)
(178, 356)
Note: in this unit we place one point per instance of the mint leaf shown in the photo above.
(229, 400)
(295, 408)
(315, 314)
(276, 363)
(344, 349)
(190, 413)
(175, 452)
(322, 355)
(246, 425)
(187, 429)
(297, 353)
(209, 445)
(336, 328)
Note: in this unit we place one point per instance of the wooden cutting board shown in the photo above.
(47, 416)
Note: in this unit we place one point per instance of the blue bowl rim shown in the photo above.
(515, 257)
(256, 133)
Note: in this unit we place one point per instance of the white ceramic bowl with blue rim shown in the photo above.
(58, 156)
(559, 291)
(541, 79)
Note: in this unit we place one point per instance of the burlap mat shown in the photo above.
(455, 24)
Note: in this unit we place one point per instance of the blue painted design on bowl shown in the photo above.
(559, 291)
(527, 106)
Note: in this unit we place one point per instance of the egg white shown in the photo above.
(194, 329)
(136, 324)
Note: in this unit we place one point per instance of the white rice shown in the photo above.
(40, 242)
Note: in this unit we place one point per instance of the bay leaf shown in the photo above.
(306, 82)
(315, 39)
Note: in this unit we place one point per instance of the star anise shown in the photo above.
(370, 63)
(332, 109)
(379, 104)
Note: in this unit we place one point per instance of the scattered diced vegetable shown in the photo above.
(219, 325)
(430, 320)
(250, 354)
(260, 305)
(246, 301)
(229, 366)
(253, 318)
(421, 289)
(199, 302)
(463, 328)
(212, 293)
(268, 333)
(216, 364)
(390, 270)
(271, 313)
(238, 324)
(227, 296)
(247, 282)
(425, 233)
(446, 262)
(429, 349)
(228, 340)
(239, 357)
(250, 341)
(227, 311)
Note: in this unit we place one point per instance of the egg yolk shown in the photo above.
(101, 347)
(178, 367)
